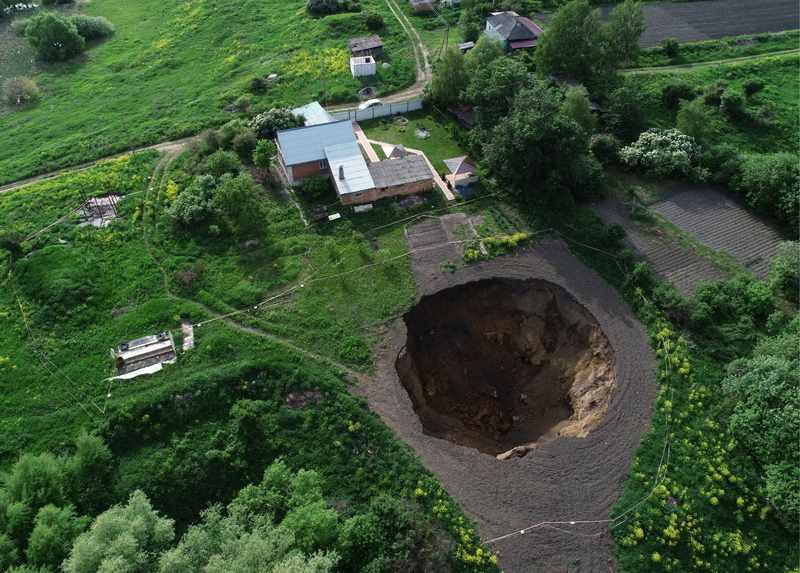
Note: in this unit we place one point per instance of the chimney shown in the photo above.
(341, 172)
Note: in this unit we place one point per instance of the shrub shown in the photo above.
(317, 186)
(372, 20)
(752, 86)
(605, 148)
(221, 162)
(267, 124)
(770, 183)
(257, 85)
(54, 38)
(671, 47)
(19, 26)
(318, 8)
(731, 104)
(722, 162)
(19, 91)
(676, 91)
(713, 93)
(92, 28)
(661, 153)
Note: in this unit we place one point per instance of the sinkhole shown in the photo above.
(505, 365)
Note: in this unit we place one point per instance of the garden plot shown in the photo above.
(711, 217)
(669, 262)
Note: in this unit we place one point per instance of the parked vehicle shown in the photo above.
(370, 103)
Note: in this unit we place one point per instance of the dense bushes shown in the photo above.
(662, 153)
(55, 39)
(92, 28)
(770, 183)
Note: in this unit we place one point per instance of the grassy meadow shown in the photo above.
(777, 102)
(172, 67)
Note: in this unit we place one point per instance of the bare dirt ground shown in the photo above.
(706, 213)
(669, 261)
(711, 19)
(566, 479)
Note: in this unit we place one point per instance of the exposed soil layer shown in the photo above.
(496, 365)
(564, 480)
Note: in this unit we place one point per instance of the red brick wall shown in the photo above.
(306, 170)
(370, 195)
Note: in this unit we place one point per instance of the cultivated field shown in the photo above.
(669, 261)
(710, 216)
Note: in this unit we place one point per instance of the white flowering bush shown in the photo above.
(661, 153)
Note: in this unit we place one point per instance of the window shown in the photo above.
(359, 194)
(323, 164)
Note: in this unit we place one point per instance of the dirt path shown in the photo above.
(567, 479)
(165, 147)
(710, 64)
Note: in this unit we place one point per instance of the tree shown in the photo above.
(695, 119)
(671, 47)
(221, 162)
(770, 183)
(492, 90)
(55, 39)
(625, 109)
(470, 32)
(450, 78)
(662, 153)
(55, 529)
(784, 270)
(765, 417)
(486, 50)
(576, 107)
(620, 37)
(241, 202)
(19, 91)
(126, 539)
(552, 147)
(266, 125)
(195, 206)
(571, 44)
(264, 153)
(319, 8)
(372, 20)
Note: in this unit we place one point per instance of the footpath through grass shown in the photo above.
(172, 67)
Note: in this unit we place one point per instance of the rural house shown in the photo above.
(513, 30)
(422, 5)
(367, 46)
(332, 149)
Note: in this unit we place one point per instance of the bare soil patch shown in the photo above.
(565, 479)
(706, 213)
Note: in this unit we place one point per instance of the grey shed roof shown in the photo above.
(400, 171)
(511, 26)
(365, 43)
(305, 144)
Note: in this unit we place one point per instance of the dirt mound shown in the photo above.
(496, 365)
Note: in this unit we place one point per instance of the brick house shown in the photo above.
(332, 149)
(513, 30)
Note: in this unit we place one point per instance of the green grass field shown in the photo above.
(172, 67)
(778, 101)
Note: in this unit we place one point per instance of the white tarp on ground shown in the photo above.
(146, 370)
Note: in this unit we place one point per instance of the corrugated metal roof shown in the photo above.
(348, 157)
(400, 171)
(314, 113)
(305, 144)
(510, 26)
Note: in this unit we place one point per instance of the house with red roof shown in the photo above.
(512, 30)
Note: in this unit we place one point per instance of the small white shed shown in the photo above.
(362, 66)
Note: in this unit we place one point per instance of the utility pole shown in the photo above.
(324, 91)
(125, 127)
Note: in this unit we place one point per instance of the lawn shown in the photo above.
(438, 147)
(172, 67)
